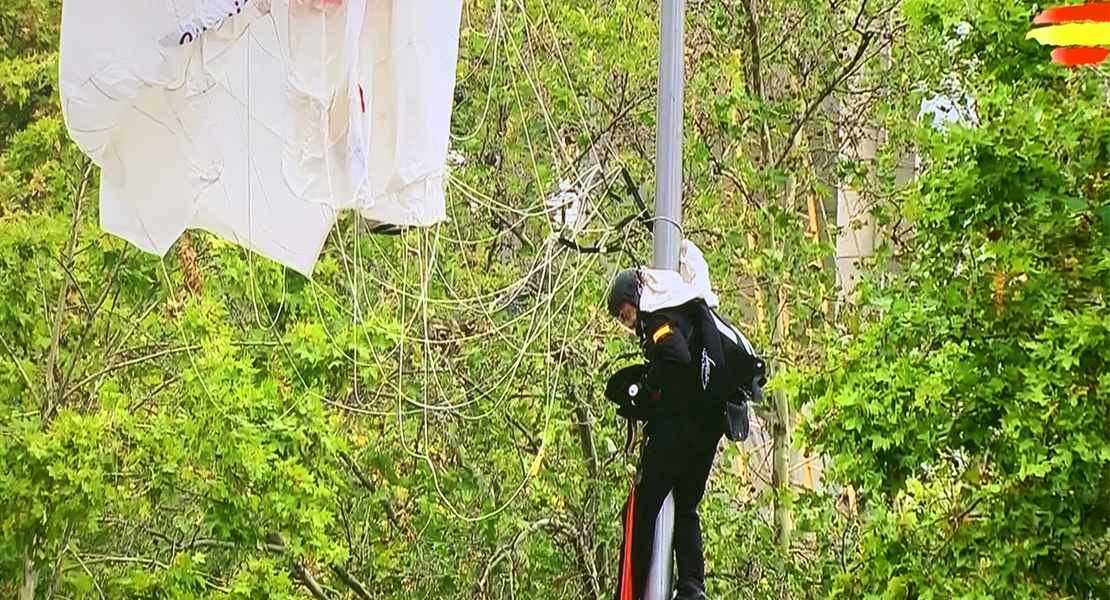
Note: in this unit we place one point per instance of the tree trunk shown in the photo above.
(777, 321)
(784, 521)
(30, 577)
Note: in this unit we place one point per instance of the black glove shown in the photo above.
(619, 391)
(633, 411)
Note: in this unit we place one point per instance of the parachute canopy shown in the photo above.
(260, 120)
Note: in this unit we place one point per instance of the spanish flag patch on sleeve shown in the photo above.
(661, 333)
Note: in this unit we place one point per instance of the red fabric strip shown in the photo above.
(1072, 57)
(626, 572)
(1092, 11)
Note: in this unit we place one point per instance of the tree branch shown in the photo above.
(50, 402)
(503, 552)
(30, 576)
(19, 367)
(634, 191)
(302, 573)
(591, 249)
(585, 433)
(618, 116)
(56, 570)
(91, 318)
(149, 357)
(355, 585)
(566, 529)
(811, 107)
(755, 75)
(369, 485)
(130, 363)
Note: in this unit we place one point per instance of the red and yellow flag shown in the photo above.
(1082, 31)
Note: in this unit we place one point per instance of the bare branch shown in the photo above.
(91, 318)
(102, 558)
(130, 363)
(356, 586)
(87, 571)
(50, 400)
(30, 577)
(585, 433)
(56, 570)
(369, 485)
(302, 573)
(755, 75)
(571, 534)
(811, 107)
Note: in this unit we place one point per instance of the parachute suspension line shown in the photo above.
(547, 122)
(327, 153)
(522, 350)
(401, 356)
(254, 286)
(571, 162)
(350, 273)
(545, 308)
(358, 320)
(566, 73)
(496, 31)
(188, 344)
(523, 484)
(527, 135)
(568, 279)
(436, 374)
(421, 252)
(543, 108)
(536, 89)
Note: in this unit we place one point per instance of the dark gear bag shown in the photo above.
(732, 374)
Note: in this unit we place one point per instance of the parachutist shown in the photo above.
(682, 437)
(696, 383)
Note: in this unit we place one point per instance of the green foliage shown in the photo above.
(971, 409)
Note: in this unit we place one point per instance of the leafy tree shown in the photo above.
(972, 407)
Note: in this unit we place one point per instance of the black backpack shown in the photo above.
(732, 373)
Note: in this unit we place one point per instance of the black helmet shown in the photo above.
(624, 288)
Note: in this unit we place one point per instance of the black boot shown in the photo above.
(691, 589)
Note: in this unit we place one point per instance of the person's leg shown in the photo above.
(661, 463)
(701, 440)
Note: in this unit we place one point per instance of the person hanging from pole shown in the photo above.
(698, 378)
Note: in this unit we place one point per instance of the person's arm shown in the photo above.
(666, 347)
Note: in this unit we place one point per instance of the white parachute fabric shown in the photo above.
(259, 120)
(663, 288)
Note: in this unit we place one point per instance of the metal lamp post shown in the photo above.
(667, 235)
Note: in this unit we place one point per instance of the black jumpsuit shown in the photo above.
(683, 433)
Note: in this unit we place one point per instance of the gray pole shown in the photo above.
(662, 554)
(668, 137)
(668, 234)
